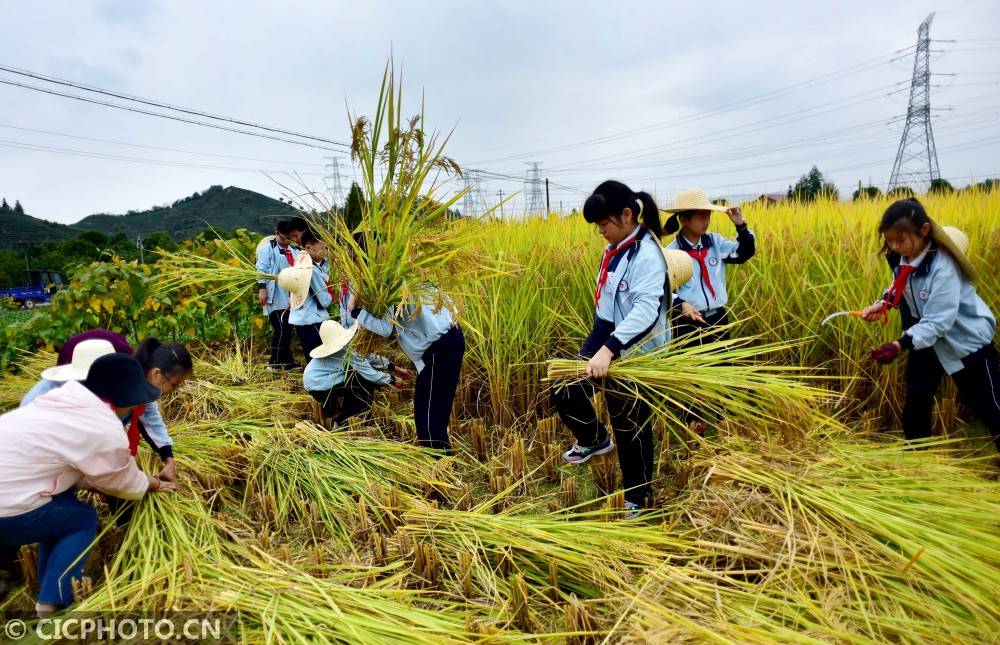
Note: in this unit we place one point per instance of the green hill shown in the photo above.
(17, 229)
(218, 207)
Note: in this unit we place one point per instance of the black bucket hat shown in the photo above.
(120, 380)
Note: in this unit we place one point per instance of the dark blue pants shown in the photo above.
(631, 420)
(281, 339)
(435, 389)
(978, 385)
(350, 398)
(64, 529)
(309, 337)
(707, 332)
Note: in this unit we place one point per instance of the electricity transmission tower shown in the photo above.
(473, 200)
(916, 162)
(334, 182)
(533, 189)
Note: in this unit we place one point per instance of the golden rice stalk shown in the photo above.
(728, 378)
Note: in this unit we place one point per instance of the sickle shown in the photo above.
(855, 314)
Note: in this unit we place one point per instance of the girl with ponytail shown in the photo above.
(630, 301)
(167, 366)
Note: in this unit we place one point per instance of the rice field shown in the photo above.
(800, 518)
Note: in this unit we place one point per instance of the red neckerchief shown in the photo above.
(609, 254)
(287, 252)
(699, 256)
(895, 294)
(133, 428)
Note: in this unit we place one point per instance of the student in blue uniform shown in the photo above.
(341, 381)
(434, 342)
(309, 293)
(275, 253)
(631, 302)
(702, 300)
(947, 328)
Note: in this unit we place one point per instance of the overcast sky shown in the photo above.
(592, 90)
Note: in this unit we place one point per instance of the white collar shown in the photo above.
(915, 262)
(693, 245)
(628, 239)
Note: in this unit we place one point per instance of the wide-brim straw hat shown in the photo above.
(296, 279)
(956, 243)
(693, 199)
(84, 355)
(335, 338)
(264, 241)
(680, 266)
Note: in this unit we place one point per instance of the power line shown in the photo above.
(20, 145)
(166, 116)
(147, 147)
(770, 95)
(741, 130)
(168, 106)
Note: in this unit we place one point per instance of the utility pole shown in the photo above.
(916, 162)
(548, 208)
(139, 245)
(500, 199)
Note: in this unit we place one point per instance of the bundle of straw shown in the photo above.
(404, 250)
(234, 274)
(334, 471)
(727, 378)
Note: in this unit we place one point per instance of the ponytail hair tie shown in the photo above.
(639, 202)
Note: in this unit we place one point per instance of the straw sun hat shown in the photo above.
(296, 279)
(84, 355)
(680, 266)
(693, 199)
(689, 199)
(334, 338)
(956, 243)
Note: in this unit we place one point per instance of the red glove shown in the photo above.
(885, 354)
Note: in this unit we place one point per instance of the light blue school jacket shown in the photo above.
(943, 310)
(720, 253)
(633, 300)
(271, 260)
(416, 330)
(322, 374)
(313, 310)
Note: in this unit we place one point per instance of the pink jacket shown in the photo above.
(61, 438)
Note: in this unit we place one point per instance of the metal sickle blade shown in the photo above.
(832, 316)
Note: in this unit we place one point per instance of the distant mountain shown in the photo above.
(17, 229)
(218, 207)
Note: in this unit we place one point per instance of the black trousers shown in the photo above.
(707, 332)
(631, 420)
(350, 398)
(435, 388)
(309, 337)
(281, 339)
(978, 385)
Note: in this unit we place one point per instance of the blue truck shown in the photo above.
(39, 286)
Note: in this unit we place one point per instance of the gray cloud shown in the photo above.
(514, 77)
